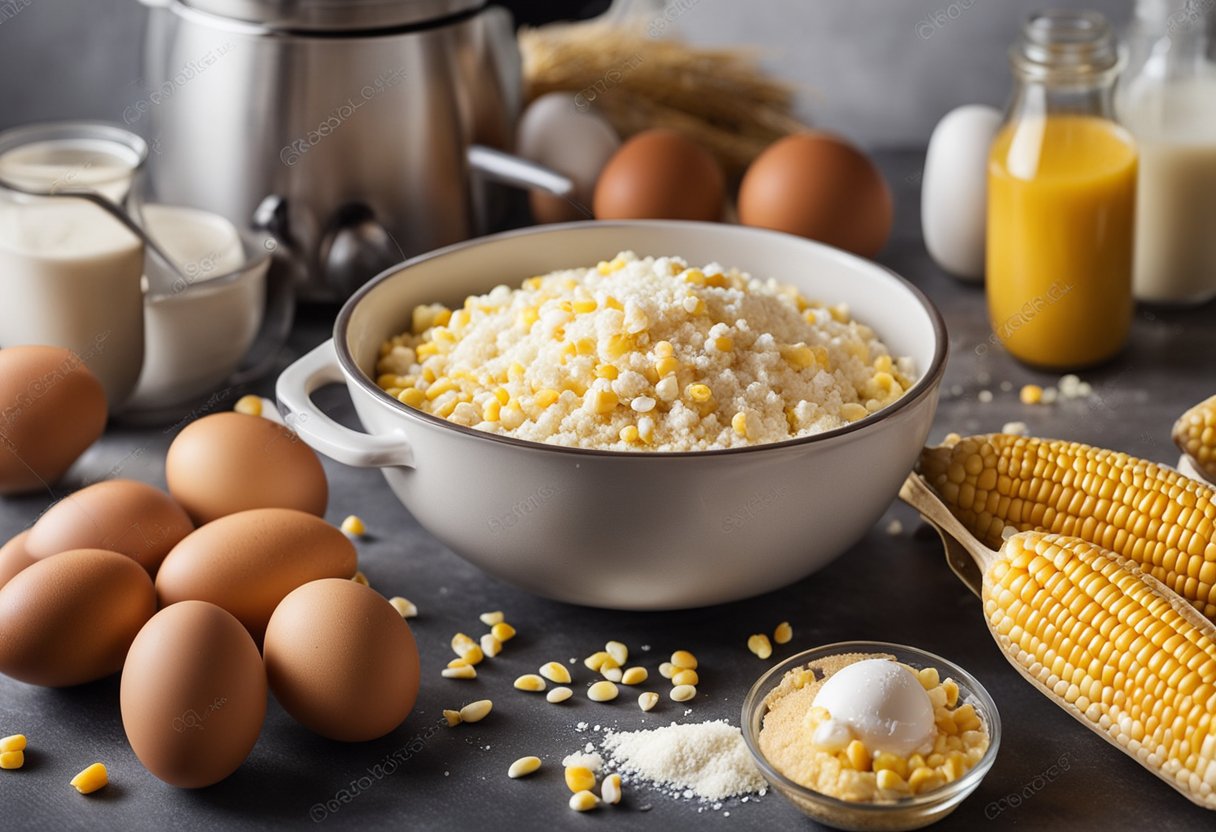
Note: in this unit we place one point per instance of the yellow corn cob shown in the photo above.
(1195, 434)
(1118, 651)
(1163, 521)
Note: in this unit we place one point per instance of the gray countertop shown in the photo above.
(1050, 773)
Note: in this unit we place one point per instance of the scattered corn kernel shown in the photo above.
(555, 672)
(783, 633)
(724, 344)
(464, 672)
(648, 700)
(476, 711)
(667, 670)
(683, 693)
(760, 645)
(354, 527)
(583, 801)
(559, 694)
(683, 659)
(596, 660)
(618, 651)
(579, 778)
(634, 676)
(606, 371)
(685, 677)
(474, 655)
(490, 646)
(1031, 394)
(629, 433)
(523, 767)
(404, 607)
(603, 691)
(14, 743)
(91, 779)
(12, 760)
(546, 397)
(249, 405)
(612, 671)
(699, 392)
(491, 618)
(503, 631)
(610, 789)
(530, 682)
(739, 423)
(458, 662)
(453, 717)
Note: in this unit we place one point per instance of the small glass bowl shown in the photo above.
(911, 812)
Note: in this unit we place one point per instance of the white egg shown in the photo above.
(566, 135)
(883, 703)
(954, 189)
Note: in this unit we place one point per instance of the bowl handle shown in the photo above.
(362, 450)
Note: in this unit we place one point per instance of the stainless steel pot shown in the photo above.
(627, 530)
(355, 131)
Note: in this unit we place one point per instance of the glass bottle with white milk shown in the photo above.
(1167, 98)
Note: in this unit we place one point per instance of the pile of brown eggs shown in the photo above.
(813, 184)
(258, 596)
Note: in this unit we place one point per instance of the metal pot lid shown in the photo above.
(336, 15)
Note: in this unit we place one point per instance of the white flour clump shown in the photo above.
(592, 761)
(707, 760)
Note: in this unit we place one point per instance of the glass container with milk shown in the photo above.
(70, 273)
(1167, 98)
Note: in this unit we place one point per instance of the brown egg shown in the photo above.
(659, 174)
(123, 516)
(230, 462)
(193, 695)
(248, 562)
(14, 557)
(51, 409)
(821, 187)
(69, 619)
(342, 661)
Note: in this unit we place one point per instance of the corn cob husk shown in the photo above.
(1163, 521)
(1195, 435)
(1112, 646)
(715, 96)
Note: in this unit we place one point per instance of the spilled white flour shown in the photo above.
(708, 760)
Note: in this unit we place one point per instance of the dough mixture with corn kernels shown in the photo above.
(643, 354)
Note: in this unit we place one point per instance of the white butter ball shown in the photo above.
(954, 189)
(883, 703)
(565, 134)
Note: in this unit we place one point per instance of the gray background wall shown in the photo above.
(881, 71)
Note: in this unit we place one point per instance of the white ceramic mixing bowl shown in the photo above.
(627, 530)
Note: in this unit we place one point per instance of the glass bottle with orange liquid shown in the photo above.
(1061, 199)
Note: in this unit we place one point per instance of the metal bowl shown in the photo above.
(628, 530)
